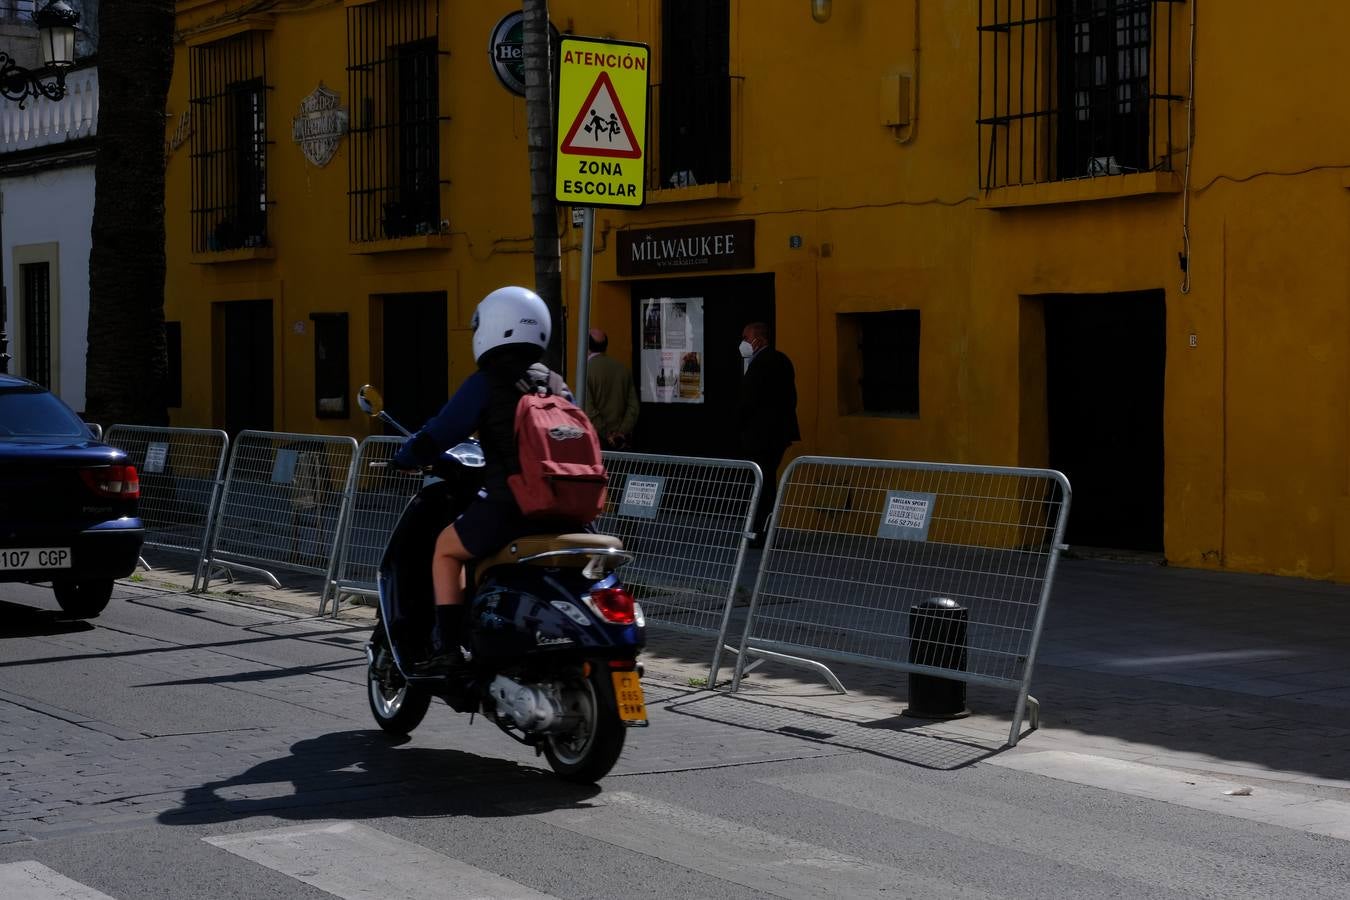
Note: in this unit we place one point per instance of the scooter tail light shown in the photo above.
(120, 482)
(613, 604)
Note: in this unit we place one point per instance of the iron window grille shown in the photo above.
(1074, 88)
(229, 143)
(690, 110)
(36, 279)
(393, 78)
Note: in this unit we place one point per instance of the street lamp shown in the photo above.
(56, 23)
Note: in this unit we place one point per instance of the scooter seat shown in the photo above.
(535, 544)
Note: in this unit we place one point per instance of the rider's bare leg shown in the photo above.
(447, 568)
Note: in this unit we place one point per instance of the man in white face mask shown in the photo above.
(766, 413)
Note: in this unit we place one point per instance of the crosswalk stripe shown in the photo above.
(1093, 846)
(738, 853)
(1204, 792)
(31, 880)
(354, 862)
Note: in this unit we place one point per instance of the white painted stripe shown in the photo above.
(354, 862)
(31, 880)
(739, 853)
(1273, 807)
(1096, 845)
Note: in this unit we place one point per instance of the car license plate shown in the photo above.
(18, 559)
(628, 694)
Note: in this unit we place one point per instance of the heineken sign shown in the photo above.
(506, 51)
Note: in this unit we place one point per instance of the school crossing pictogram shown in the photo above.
(601, 127)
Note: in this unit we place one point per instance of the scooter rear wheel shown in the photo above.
(397, 706)
(588, 753)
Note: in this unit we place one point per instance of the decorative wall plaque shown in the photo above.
(320, 125)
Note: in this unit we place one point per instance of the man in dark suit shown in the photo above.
(766, 413)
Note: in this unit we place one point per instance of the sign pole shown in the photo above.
(584, 315)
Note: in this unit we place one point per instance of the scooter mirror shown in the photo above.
(370, 401)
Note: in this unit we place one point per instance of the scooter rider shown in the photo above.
(511, 329)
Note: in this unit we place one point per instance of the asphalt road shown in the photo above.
(184, 748)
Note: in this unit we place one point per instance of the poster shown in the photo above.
(672, 350)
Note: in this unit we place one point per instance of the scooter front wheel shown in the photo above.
(588, 752)
(397, 706)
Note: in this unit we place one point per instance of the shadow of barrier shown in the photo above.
(895, 738)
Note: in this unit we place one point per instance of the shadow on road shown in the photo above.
(903, 740)
(18, 621)
(368, 774)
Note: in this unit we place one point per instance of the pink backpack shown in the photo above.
(562, 475)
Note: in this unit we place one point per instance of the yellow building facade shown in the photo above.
(978, 232)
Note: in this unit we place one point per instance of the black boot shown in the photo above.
(445, 641)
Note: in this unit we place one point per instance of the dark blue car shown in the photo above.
(67, 501)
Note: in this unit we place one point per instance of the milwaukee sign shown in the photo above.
(687, 248)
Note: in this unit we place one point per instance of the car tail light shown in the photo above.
(116, 481)
(613, 604)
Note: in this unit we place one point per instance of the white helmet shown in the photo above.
(510, 315)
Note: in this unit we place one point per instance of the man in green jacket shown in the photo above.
(611, 399)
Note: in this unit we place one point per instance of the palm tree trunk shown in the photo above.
(539, 135)
(126, 366)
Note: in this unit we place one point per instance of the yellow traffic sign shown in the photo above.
(602, 122)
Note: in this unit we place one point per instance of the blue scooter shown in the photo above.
(552, 636)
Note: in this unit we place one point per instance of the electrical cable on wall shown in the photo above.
(1190, 153)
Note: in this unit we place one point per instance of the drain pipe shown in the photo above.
(914, 90)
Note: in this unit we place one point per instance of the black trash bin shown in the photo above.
(937, 637)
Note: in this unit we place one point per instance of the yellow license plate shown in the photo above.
(628, 695)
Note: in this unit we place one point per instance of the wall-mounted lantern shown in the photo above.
(56, 23)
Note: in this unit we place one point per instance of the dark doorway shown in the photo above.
(1105, 362)
(728, 304)
(414, 359)
(246, 370)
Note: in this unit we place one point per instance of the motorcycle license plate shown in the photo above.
(628, 695)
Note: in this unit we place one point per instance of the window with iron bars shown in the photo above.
(1074, 88)
(691, 106)
(229, 143)
(393, 78)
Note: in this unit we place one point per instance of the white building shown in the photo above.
(46, 210)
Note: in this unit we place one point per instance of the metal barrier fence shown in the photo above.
(283, 505)
(854, 545)
(687, 520)
(378, 495)
(180, 471)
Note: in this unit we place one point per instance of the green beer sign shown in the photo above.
(506, 51)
